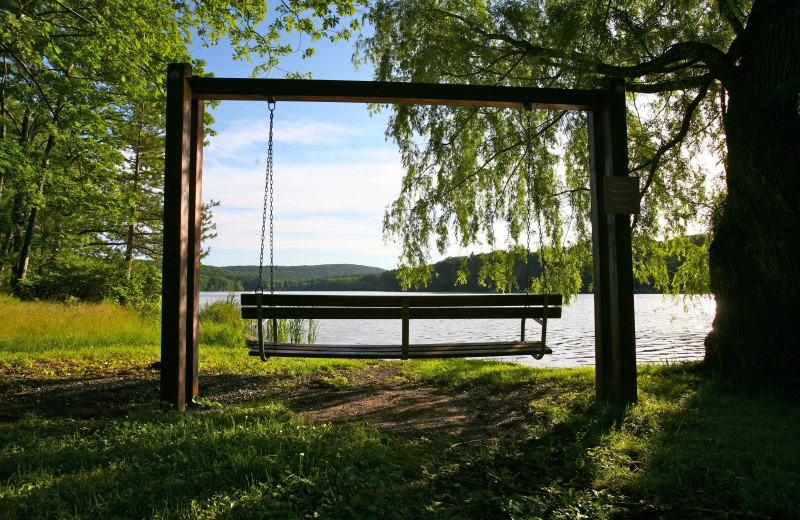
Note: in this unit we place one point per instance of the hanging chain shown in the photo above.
(271, 177)
(268, 202)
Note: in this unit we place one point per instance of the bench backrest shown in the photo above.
(400, 306)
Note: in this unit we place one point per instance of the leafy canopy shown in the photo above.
(82, 105)
(468, 171)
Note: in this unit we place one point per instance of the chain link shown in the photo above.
(268, 202)
(271, 106)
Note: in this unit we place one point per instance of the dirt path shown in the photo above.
(376, 396)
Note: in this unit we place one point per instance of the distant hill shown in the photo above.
(305, 272)
(245, 277)
(444, 279)
(349, 277)
(445, 276)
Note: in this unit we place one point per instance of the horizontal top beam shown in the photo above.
(255, 89)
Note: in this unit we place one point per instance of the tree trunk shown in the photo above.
(137, 167)
(25, 251)
(755, 273)
(3, 116)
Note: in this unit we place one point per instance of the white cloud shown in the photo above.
(248, 137)
(317, 205)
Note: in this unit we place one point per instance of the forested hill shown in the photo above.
(349, 277)
(445, 277)
(245, 277)
(443, 280)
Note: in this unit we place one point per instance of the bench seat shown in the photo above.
(415, 350)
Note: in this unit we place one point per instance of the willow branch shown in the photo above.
(728, 12)
(691, 82)
(685, 53)
(653, 163)
(504, 150)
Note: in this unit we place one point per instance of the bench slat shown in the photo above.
(416, 351)
(388, 313)
(396, 300)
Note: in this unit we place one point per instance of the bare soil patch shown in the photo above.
(376, 396)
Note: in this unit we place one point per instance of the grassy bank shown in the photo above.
(692, 448)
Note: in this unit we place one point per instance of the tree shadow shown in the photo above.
(387, 447)
(718, 451)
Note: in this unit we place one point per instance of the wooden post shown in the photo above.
(615, 347)
(176, 233)
(195, 231)
(602, 304)
(623, 331)
(406, 314)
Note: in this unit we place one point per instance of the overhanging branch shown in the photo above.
(653, 163)
(679, 56)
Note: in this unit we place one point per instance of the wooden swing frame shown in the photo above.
(614, 198)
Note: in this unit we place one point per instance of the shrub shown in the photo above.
(91, 279)
(221, 334)
(227, 311)
(221, 323)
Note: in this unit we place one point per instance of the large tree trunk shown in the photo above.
(755, 271)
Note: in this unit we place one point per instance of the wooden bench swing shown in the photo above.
(262, 306)
(405, 308)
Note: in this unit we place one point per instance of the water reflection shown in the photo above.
(666, 330)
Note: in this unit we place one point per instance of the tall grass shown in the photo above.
(221, 324)
(38, 326)
(97, 339)
(291, 331)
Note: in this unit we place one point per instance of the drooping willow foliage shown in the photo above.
(485, 177)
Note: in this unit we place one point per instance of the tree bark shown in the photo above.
(3, 115)
(25, 251)
(137, 166)
(755, 273)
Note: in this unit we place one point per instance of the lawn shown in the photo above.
(84, 435)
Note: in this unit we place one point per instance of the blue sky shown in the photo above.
(334, 171)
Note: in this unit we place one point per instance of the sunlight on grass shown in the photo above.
(690, 442)
(222, 463)
(477, 372)
(41, 326)
(221, 360)
(691, 438)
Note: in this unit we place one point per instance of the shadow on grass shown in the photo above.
(540, 448)
(714, 450)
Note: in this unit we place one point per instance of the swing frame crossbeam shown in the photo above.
(615, 347)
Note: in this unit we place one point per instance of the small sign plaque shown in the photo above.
(621, 195)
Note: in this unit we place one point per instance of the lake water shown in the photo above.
(666, 330)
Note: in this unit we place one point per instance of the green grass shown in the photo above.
(255, 461)
(33, 327)
(694, 447)
(92, 340)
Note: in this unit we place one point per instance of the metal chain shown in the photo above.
(268, 201)
(271, 177)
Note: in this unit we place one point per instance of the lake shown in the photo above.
(665, 330)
